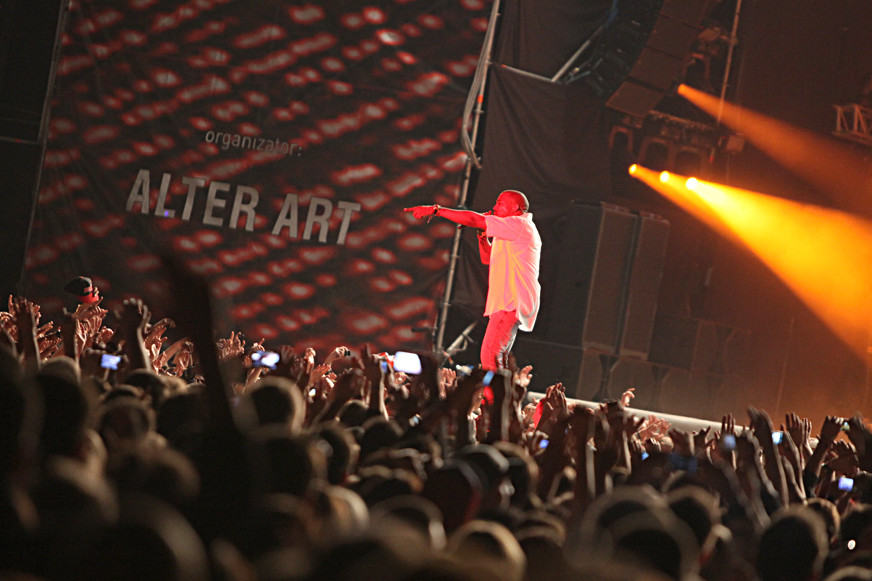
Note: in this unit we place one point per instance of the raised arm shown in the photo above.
(462, 217)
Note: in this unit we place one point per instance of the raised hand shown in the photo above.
(133, 316)
(700, 438)
(231, 348)
(184, 357)
(523, 376)
(154, 339)
(627, 397)
(860, 436)
(553, 405)
(762, 427)
(309, 358)
(318, 373)
(846, 460)
(348, 386)
(48, 341)
(728, 424)
(683, 442)
(654, 428)
(447, 381)
(829, 430)
(26, 316)
(375, 373)
(799, 430)
(747, 448)
(338, 352)
(790, 451)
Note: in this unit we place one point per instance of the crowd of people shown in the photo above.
(126, 455)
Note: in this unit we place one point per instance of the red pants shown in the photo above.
(502, 328)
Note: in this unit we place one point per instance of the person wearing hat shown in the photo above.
(86, 292)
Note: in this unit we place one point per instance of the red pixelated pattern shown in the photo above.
(366, 101)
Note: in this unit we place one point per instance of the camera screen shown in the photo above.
(265, 359)
(110, 361)
(407, 363)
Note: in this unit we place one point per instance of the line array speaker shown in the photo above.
(642, 52)
(595, 259)
(646, 272)
(608, 279)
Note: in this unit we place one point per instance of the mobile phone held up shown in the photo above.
(408, 363)
(267, 359)
(110, 361)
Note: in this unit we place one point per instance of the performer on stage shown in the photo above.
(511, 246)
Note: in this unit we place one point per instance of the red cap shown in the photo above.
(83, 289)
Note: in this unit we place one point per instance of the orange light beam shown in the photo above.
(675, 190)
(824, 256)
(833, 167)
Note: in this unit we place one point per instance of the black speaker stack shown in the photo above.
(599, 331)
(641, 52)
(597, 318)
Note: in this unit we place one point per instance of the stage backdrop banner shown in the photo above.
(272, 146)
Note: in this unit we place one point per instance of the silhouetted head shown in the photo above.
(793, 546)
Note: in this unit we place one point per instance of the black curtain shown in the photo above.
(544, 138)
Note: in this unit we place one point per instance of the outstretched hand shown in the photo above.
(422, 211)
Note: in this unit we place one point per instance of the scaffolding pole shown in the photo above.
(734, 40)
(474, 105)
